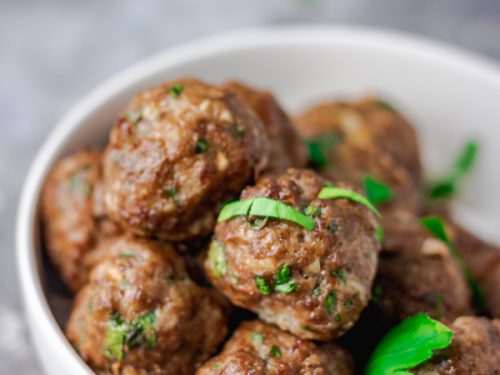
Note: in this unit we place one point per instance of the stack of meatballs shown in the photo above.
(162, 287)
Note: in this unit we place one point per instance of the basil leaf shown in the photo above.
(319, 149)
(333, 192)
(377, 191)
(408, 345)
(265, 207)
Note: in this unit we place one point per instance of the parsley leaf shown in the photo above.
(333, 192)
(319, 149)
(376, 191)
(275, 351)
(262, 285)
(284, 282)
(201, 146)
(176, 90)
(330, 302)
(409, 344)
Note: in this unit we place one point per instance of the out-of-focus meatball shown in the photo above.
(483, 259)
(141, 314)
(73, 214)
(329, 270)
(257, 348)
(176, 153)
(287, 148)
(367, 137)
(417, 273)
(475, 349)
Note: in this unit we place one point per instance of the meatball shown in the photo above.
(287, 148)
(417, 273)
(475, 349)
(483, 260)
(73, 215)
(368, 137)
(257, 348)
(328, 270)
(178, 152)
(141, 314)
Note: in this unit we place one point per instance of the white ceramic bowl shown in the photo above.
(449, 94)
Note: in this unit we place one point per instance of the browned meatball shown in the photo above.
(367, 137)
(417, 273)
(141, 314)
(176, 153)
(474, 350)
(74, 221)
(257, 348)
(483, 259)
(287, 148)
(330, 268)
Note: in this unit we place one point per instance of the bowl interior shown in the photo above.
(448, 95)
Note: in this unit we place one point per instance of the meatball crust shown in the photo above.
(73, 215)
(417, 273)
(332, 266)
(287, 148)
(257, 348)
(475, 349)
(368, 137)
(141, 314)
(176, 153)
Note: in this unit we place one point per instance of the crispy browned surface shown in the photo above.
(484, 262)
(313, 257)
(248, 352)
(73, 216)
(287, 149)
(139, 277)
(418, 273)
(372, 139)
(157, 153)
(474, 350)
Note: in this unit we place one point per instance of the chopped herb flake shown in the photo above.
(134, 116)
(169, 279)
(275, 351)
(376, 191)
(339, 274)
(313, 211)
(262, 285)
(286, 288)
(284, 274)
(384, 105)
(330, 302)
(217, 258)
(257, 338)
(316, 291)
(320, 148)
(237, 131)
(201, 146)
(333, 192)
(176, 90)
(333, 226)
(379, 233)
(127, 254)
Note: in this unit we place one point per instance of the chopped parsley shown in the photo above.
(201, 146)
(312, 211)
(257, 338)
(376, 191)
(448, 186)
(169, 279)
(217, 258)
(339, 274)
(283, 282)
(320, 148)
(316, 291)
(408, 345)
(262, 285)
(330, 302)
(275, 351)
(127, 254)
(172, 193)
(176, 90)
(265, 207)
(333, 192)
(237, 131)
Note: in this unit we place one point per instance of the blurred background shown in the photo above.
(54, 51)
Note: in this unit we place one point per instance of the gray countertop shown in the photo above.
(54, 52)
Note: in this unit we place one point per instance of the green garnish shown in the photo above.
(339, 274)
(237, 131)
(284, 283)
(312, 211)
(217, 258)
(262, 285)
(265, 207)
(448, 186)
(286, 288)
(316, 291)
(409, 344)
(134, 116)
(201, 146)
(435, 226)
(275, 351)
(284, 274)
(127, 254)
(169, 279)
(384, 105)
(176, 90)
(121, 336)
(379, 233)
(330, 302)
(376, 191)
(319, 149)
(333, 226)
(257, 338)
(333, 192)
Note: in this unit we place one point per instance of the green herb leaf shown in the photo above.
(262, 285)
(316, 291)
(217, 258)
(257, 338)
(447, 186)
(201, 146)
(286, 288)
(284, 274)
(435, 226)
(408, 345)
(340, 274)
(176, 90)
(379, 233)
(330, 302)
(319, 149)
(312, 211)
(265, 207)
(275, 351)
(376, 191)
(116, 332)
(333, 192)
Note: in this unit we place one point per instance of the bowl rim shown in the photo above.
(31, 285)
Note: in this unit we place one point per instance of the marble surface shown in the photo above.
(55, 51)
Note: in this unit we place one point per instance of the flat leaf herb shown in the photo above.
(376, 191)
(319, 149)
(333, 192)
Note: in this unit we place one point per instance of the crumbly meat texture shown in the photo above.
(141, 314)
(177, 153)
(287, 147)
(257, 348)
(332, 266)
(367, 137)
(417, 273)
(73, 216)
(475, 349)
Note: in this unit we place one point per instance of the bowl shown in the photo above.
(449, 94)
